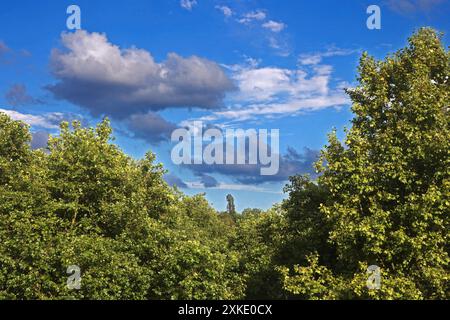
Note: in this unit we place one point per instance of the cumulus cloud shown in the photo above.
(291, 163)
(105, 79)
(188, 4)
(18, 96)
(274, 26)
(150, 127)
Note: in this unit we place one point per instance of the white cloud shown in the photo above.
(274, 39)
(17, 95)
(274, 26)
(310, 59)
(257, 15)
(188, 4)
(47, 121)
(105, 79)
(316, 58)
(290, 107)
(227, 12)
(277, 92)
(281, 47)
(269, 83)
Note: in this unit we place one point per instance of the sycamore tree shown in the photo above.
(85, 203)
(388, 183)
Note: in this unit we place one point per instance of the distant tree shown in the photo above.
(231, 209)
(251, 211)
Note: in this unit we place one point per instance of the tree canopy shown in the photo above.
(382, 198)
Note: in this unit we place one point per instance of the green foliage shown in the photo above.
(86, 203)
(108, 270)
(258, 237)
(389, 184)
(382, 198)
(306, 229)
(313, 282)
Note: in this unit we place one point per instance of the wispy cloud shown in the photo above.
(257, 15)
(413, 6)
(316, 58)
(267, 29)
(3, 48)
(4, 53)
(227, 11)
(274, 26)
(277, 92)
(17, 96)
(11, 56)
(46, 121)
(288, 108)
(280, 46)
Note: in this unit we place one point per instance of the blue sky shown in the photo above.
(154, 66)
